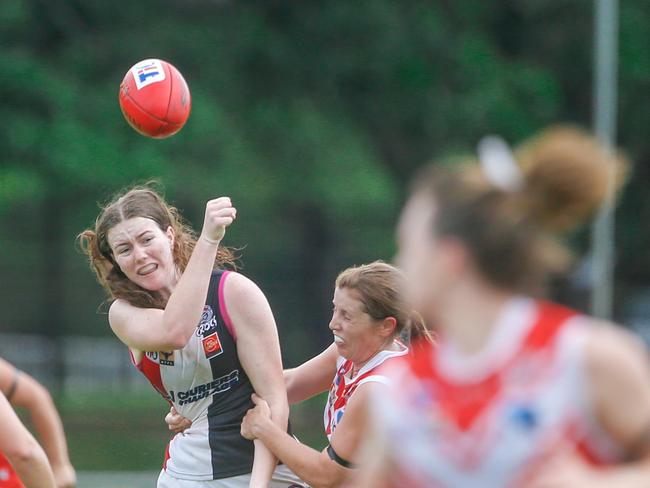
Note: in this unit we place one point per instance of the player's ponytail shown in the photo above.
(511, 221)
(567, 173)
(418, 333)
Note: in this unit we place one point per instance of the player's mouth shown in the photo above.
(148, 269)
(338, 339)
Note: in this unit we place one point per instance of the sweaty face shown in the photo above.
(418, 255)
(144, 253)
(355, 332)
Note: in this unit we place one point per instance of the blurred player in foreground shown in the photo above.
(520, 392)
(23, 391)
(204, 337)
(370, 314)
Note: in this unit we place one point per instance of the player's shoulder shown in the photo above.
(236, 284)
(611, 348)
(241, 293)
(121, 312)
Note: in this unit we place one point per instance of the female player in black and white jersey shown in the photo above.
(205, 338)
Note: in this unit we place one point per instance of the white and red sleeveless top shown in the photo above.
(491, 419)
(343, 386)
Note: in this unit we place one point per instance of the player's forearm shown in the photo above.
(263, 466)
(32, 467)
(48, 424)
(279, 409)
(299, 388)
(184, 308)
(307, 463)
(265, 460)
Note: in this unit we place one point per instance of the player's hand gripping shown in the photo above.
(176, 422)
(219, 214)
(255, 417)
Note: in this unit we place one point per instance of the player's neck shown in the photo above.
(470, 314)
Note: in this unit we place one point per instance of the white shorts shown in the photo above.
(283, 477)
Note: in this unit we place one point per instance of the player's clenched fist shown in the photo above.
(219, 214)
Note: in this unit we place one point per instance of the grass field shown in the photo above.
(112, 479)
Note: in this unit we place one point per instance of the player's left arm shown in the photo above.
(258, 348)
(618, 368)
(320, 469)
(618, 377)
(23, 391)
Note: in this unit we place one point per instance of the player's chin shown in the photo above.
(150, 283)
(340, 347)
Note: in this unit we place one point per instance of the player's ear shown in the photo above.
(387, 326)
(171, 235)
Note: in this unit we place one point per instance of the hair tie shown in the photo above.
(499, 165)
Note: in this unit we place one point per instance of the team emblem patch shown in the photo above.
(212, 345)
(147, 72)
(166, 358)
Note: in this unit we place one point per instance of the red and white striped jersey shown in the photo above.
(343, 386)
(492, 418)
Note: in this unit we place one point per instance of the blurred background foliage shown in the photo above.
(311, 115)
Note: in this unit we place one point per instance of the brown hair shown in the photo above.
(383, 294)
(139, 201)
(512, 235)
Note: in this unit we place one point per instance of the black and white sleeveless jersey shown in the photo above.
(207, 384)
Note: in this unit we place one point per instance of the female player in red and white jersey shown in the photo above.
(205, 338)
(520, 392)
(370, 314)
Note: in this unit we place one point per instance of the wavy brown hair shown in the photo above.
(383, 293)
(139, 201)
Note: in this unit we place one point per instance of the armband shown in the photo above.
(13, 386)
(338, 459)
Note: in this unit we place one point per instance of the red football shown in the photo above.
(154, 98)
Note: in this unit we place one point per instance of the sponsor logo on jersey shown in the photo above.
(212, 345)
(164, 358)
(219, 385)
(208, 322)
(147, 72)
